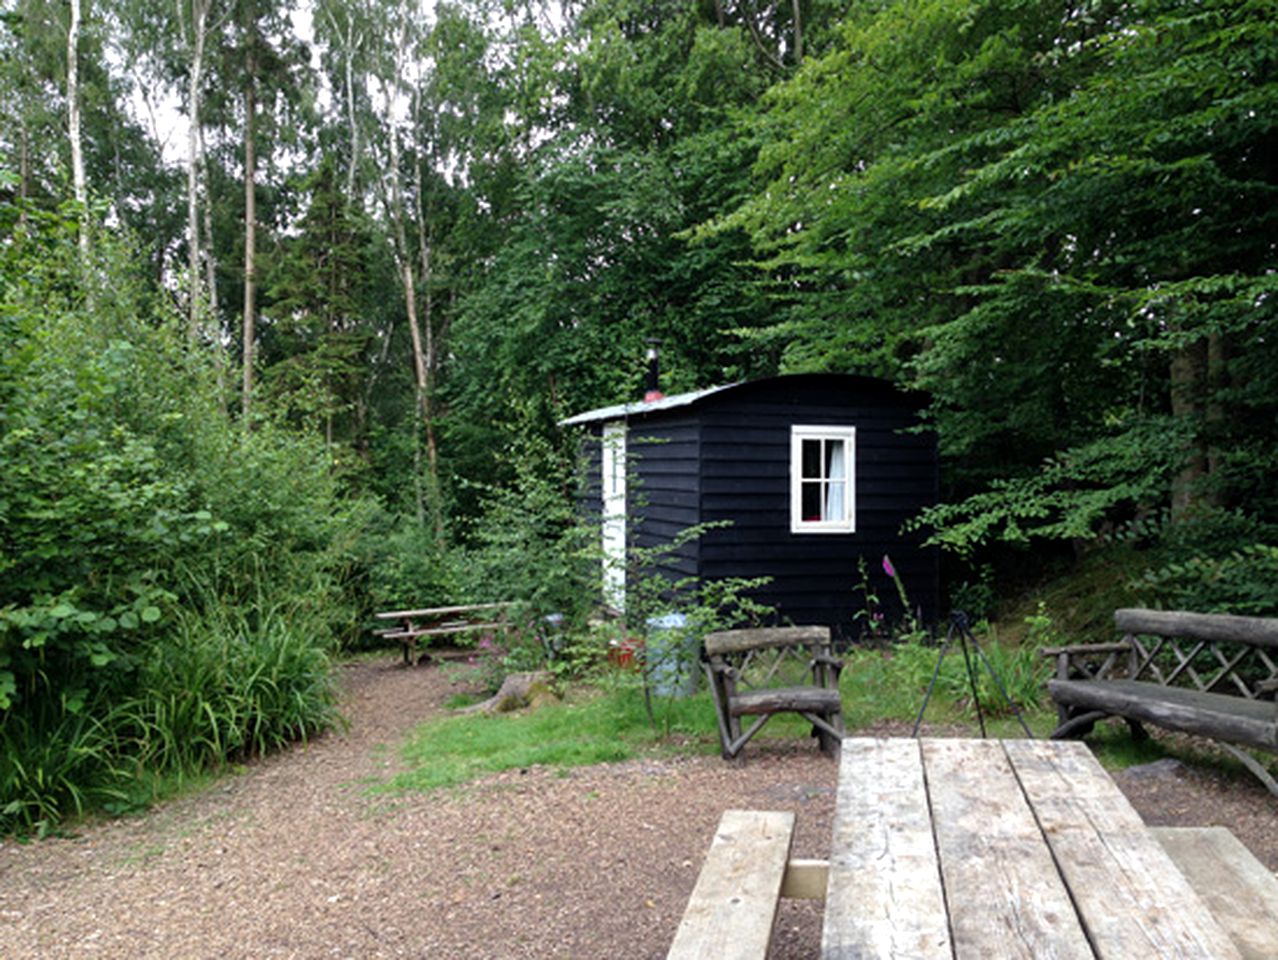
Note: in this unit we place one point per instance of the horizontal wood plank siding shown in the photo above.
(664, 494)
(590, 477)
(745, 466)
(725, 456)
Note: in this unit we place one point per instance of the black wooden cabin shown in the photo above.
(814, 472)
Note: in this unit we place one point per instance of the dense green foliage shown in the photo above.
(1059, 220)
(171, 582)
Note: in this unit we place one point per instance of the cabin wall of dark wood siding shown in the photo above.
(590, 473)
(745, 478)
(663, 491)
(589, 492)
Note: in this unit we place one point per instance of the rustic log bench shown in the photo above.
(1236, 887)
(1213, 675)
(440, 622)
(747, 870)
(766, 671)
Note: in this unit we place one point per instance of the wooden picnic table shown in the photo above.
(991, 849)
(441, 621)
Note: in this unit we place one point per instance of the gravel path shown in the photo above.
(293, 858)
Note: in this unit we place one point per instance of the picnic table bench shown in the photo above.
(1213, 675)
(413, 625)
(973, 849)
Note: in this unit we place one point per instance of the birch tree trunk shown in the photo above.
(210, 255)
(24, 170)
(428, 327)
(194, 157)
(250, 217)
(421, 368)
(420, 376)
(346, 39)
(73, 126)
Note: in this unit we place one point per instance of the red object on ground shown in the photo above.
(622, 653)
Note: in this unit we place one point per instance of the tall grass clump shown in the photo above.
(233, 684)
(58, 760)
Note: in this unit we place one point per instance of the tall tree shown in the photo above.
(398, 72)
(197, 20)
(1043, 218)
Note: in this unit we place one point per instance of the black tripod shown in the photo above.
(959, 624)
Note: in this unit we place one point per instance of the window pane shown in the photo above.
(833, 501)
(811, 510)
(811, 460)
(834, 459)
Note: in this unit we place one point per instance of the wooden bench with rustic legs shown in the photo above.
(747, 870)
(763, 672)
(1212, 675)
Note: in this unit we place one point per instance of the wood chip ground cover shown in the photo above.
(295, 858)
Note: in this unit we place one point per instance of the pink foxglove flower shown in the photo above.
(888, 568)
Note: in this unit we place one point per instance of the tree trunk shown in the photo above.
(73, 126)
(210, 256)
(428, 325)
(348, 38)
(352, 120)
(24, 170)
(421, 370)
(199, 23)
(1217, 380)
(1188, 373)
(796, 6)
(250, 218)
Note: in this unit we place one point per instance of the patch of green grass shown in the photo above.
(459, 700)
(589, 727)
(612, 724)
(890, 684)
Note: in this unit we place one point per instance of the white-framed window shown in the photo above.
(822, 479)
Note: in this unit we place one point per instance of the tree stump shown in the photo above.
(517, 691)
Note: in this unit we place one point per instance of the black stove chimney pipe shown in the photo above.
(652, 388)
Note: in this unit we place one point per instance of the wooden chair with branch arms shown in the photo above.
(763, 672)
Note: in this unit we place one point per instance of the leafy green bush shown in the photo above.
(529, 543)
(1242, 581)
(1212, 561)
(170, 580)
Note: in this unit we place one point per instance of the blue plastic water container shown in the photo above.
(670, 656)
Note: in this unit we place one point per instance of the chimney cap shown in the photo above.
(653, 391)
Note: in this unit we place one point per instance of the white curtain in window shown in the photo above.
(835, 473)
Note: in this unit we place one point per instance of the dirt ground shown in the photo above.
(294, 858)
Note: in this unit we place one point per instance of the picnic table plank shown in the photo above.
(440, 622)
(1005, 896)
(1238, 890)
(734, 904)
(437, 611)
(884, 896)
(1133, 901)
(440, 631)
